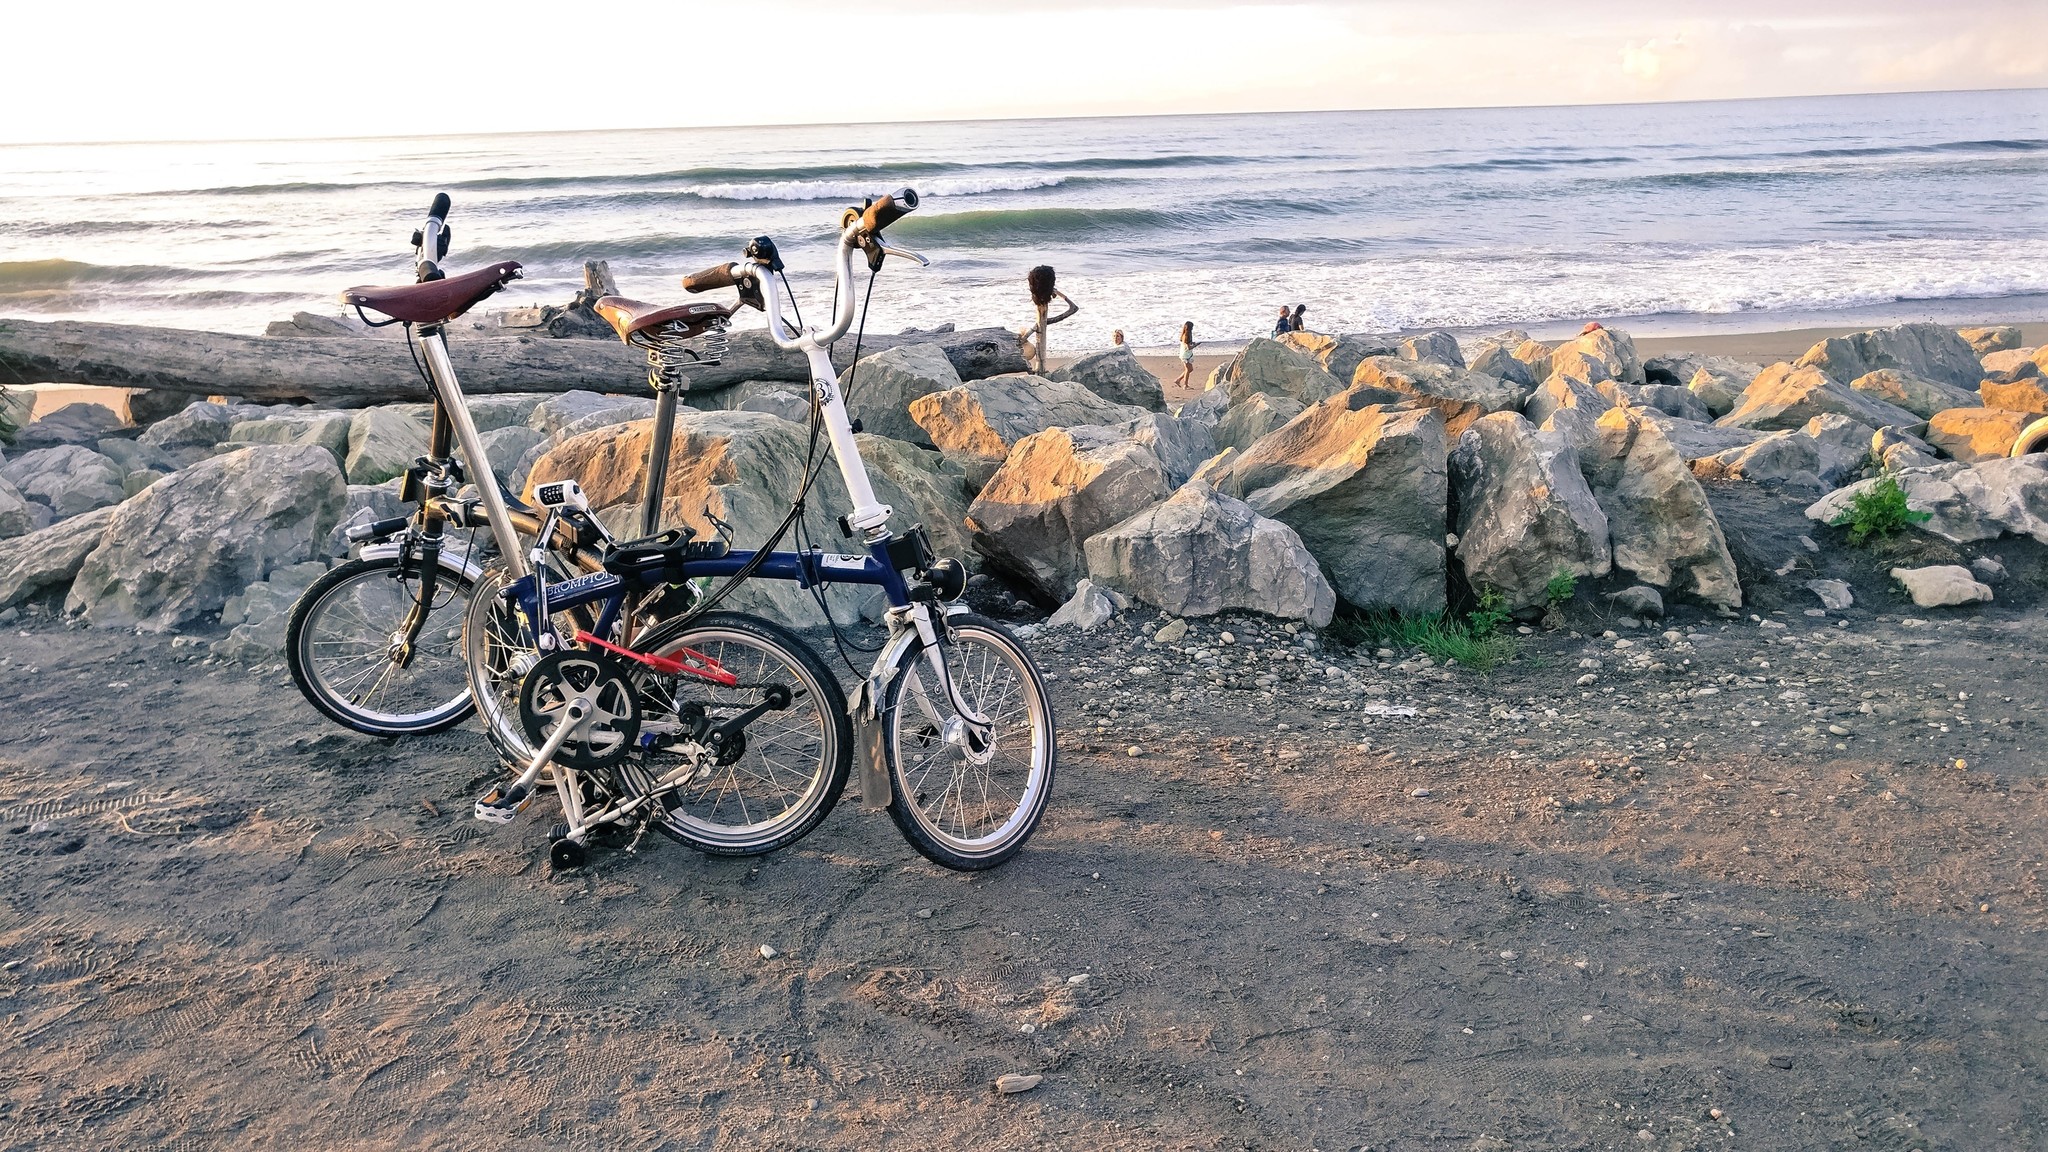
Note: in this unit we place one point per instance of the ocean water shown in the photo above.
(1763, 213)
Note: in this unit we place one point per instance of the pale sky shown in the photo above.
(213, 69)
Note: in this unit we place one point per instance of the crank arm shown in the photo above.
(778, 699)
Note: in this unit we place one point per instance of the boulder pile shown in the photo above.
(1315, 473)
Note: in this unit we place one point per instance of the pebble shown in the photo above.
(1781, 1061)
(1229, 637)
(924, 913)
(768, 952)
(1172, 633)
(1011, 1083)
(1587, 680)
(1511, 955)
(1078, 978)
(1134, 751)
(1420, 792)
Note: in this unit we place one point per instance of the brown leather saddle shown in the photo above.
(636, 321)
(436, 301)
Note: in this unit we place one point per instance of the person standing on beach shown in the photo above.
(1284, 325)
(1187, 354)
(1040, 281)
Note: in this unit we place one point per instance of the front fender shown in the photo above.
(458, 563)
(867, 710)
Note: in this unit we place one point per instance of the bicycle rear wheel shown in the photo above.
(781, 775)
(346, 646)
(960, 803)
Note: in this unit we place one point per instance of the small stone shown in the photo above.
(1587, 680)
(1027, 1028)
(1835, 595)
(1641, 600)
(1134, 751)
(924, 913)
(1717, 1114)
(1988, 569)
(1420, 792)
(1385, 654)
(1172, 633)
(1011, 1083)
(1229, 637)
(1078, 978)
(768, 952)
(1781, 1061)
(1837, 730)
(1511, 955)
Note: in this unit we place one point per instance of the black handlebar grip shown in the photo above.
(440, 209)
(888, 210)
(717, 276)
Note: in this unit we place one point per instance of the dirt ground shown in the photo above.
(1761, 883)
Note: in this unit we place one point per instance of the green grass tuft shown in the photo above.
(1879, 512)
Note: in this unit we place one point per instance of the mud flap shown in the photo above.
(875, 791)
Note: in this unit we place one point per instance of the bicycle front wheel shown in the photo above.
(963, 802)
(782, 747)
(355, 654)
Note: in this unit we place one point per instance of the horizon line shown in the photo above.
(1014, 119)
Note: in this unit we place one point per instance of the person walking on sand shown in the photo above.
(1040, 281)
(1284, 325)
(1187, 354)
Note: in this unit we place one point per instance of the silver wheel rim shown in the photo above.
(974, 805)
(781, 777)
(345, 650)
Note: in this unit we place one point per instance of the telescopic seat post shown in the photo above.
(657, 457)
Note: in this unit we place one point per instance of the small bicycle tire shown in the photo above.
(339, 645)
(960, 807)
(783, 778)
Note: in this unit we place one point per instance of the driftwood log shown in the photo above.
(365, 370)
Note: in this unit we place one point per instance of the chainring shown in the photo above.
(611, 730)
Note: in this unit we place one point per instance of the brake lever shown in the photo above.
(906, 254)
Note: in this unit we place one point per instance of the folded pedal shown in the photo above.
(501, 804)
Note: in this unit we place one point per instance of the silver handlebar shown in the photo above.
(850, 240)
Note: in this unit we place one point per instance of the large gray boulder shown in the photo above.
(575, 412)
(1244, 424)
(382, 443)
(494, 410)
(1499, 360)
(1665, 398)
(44, 562)
(1928, 351)
(2028, 394)
(1663, 530)
(68, 480)
(1525, 513)
(1720, 381)
(363, 504)
(179, 549)
(884, 384)
(508, 448)
(2010, 366)
(321, 427)
(1340, 355)
(1433, 348)
(987, 417)
(1201, 552)
(1975, 433)
(1784, 397)
(1996, 338)
(1788, 460)
(133, 456)
(745, 468)
(1459, 396)
(19, 515)
(1208, 407)
(81, 424)
(1601, 354)
(1923, 398)
(1277, 369)
(257, 616)
(1843, 447)
(1558, 393)
(1181, 445)
(1055, 490)
(1116, 376)
(1964, 502)
(924, 488)
(1694, 439)
(197, 428)
(1365, 488)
